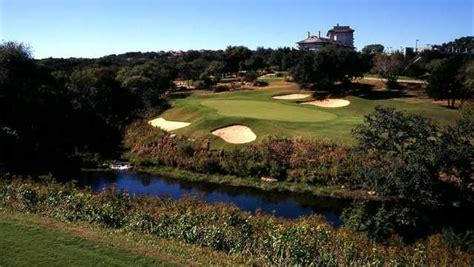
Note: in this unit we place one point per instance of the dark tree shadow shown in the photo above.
(379, 95)
(367, 91)
(178, 95)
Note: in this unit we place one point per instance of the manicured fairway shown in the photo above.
(266, 116)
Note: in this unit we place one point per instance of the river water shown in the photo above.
(287, 205)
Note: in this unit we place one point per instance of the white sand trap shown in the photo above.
(292, 96)
(235, 134)
(168, 125)
(329, 103)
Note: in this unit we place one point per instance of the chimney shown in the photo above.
(319, 34)
(338, 25)
(309, 34)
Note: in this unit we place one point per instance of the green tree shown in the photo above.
(456, 152)
(460, 45)
(466, 76)
(37, 122)
(388, 67)
(257, 60)
(410, 159)
(95, 89)
(327, 66)
(451, 81)
(147, 83)
(251, 77)
(373, 49)
(215, 68)
(235, 56)
(402, 155)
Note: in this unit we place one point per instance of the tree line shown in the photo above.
(70, 112)
(67, 112)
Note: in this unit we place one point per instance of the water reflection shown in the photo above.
(248, 199)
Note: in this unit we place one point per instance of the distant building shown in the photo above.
(342, 36)
(313, 42)
(409, 51)
(466, 47)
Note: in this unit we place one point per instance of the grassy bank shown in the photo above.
(33, 240)
(280, 186)
(225, 235)
(24, 241)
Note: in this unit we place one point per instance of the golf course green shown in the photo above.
(267, 111)
(256, 109)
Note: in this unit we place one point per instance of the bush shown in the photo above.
(250, 76)
(456, 151)
(261, 83)
(221, 88)
(464, 241)
(200, 84)
(403, 148)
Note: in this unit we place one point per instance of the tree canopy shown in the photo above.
(329, 65)
(388, 66)
(452, 80)
(373, 49)
(404, 146)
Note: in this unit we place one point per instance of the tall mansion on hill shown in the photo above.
(342, 36)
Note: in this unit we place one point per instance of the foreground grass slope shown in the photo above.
(32, 240)
(33, 245)
(286, 118)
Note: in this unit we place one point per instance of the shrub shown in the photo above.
(261, 83)
(27, 197)
(250, 76)
(221, 88)
(302, 161)
(206, 162)
(464, 241)
(403, 147)
(456, 151)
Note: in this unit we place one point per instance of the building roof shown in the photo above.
(338, 28)
(320, 40)
(314, 39)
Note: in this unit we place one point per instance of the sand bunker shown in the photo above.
(235, 134)
(168, 125)
(292, 96)
(329, 103)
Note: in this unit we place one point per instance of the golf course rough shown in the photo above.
(235, 134)
(168, 125)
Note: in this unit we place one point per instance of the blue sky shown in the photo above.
(87, 28)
